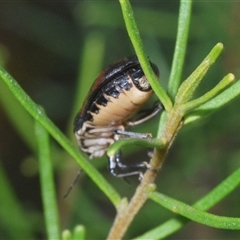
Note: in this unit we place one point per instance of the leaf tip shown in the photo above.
(220, 45)
(231, 77)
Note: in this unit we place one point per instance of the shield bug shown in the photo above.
(115, 97)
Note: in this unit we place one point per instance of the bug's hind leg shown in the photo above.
(119, 169)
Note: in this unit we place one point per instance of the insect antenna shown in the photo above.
(73, 183)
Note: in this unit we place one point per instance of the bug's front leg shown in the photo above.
(128, 134)
(148, 114)
(119, 169)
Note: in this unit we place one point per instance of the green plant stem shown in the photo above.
(79, 233)
(205, 203)
(47, 183)
(38, 114)
(134, 35)
(152, 143)
(180, 47)
(189, 86)
(225, 82)
(215, 103)
(67, 235)
(23, 123)
(127, 214)
(194, 214)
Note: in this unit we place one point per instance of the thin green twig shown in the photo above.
(215, 103)
(39, 115)
(134, 35)
(223, 84)
(194, 214)
(151, 143)
(47, 182)
(188, 87)
(23, 123)
(180, 47)
(205, 203)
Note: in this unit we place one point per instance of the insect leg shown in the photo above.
(119, 169)
(148, 115)
(132, 134)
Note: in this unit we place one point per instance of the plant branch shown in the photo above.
(134, 35)
(189, 86)
(215, 103)
(194, 214)
(38, 114)
(47, 182)
(225, 82)
(205, 203)
(127, 213)
(151, 143)
(180, 47)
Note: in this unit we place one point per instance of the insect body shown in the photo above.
(117, 95)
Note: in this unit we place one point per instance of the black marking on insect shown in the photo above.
(115, 97)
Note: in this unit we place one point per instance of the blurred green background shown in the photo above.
(42, 46)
